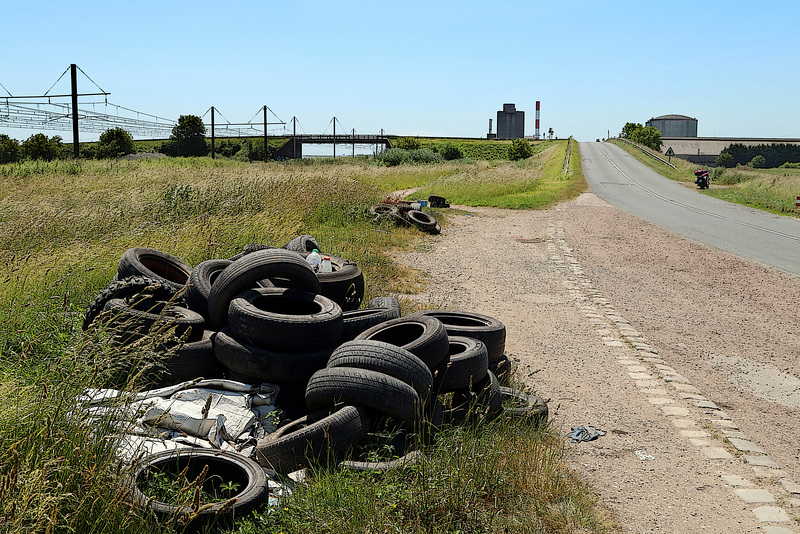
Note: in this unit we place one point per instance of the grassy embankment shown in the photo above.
(773, 190)
(63, 227)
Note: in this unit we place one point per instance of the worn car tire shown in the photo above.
(466, 363)
(422, 220)
(423, 336)
(468, 324)
(198, 287)
(265, 364)
(192, 360)
(518, 403)
(502, 370)
(245, 273)
(311, 437)
(385, 302)
(143, 261)
(132, 288)
(285, 320)
(131, 323)
(384, 358)
(303, 243)
(355, 322)
(221, 465)
(378, 391)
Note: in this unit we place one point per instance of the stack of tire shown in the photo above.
(405, 214)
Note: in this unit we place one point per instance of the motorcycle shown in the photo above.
(702, 178)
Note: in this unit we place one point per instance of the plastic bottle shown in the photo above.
(325, 266)
(314, 258)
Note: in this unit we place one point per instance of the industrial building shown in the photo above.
(510, 123)
(674, 125)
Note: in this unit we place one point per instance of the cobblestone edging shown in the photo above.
(696, 418)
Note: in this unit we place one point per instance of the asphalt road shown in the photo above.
(621, 180)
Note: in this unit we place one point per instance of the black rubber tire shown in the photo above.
(355, 322)
(132, 323)
(435, 201)
(193, 360)
(245, 273)
(229, 467)
(303, 243)
(521, 404)
(247, 249)
(131, 288)
(312, 438)
(423, 336)
(380, 392)
(198, 287)
(142, 261)
(468, 324)
(387, 359)
(483, 398)
(502, 370)
(285, 320)
(382, 209)
(385, 302)
(264, 364)
(467, 363)
(344, 284)
(422, 220)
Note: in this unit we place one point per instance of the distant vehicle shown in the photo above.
(702, 178)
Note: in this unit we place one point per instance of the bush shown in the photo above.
(758, 162)
(39, 146)
(406, 143)
(519, 149)
(725, 159)
(115, 143)
(9, 149)
(451, 152)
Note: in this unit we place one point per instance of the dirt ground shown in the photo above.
(669, 346)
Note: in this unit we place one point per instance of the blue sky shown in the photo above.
(421, 68)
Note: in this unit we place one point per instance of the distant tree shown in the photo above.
(758, 162)
(629, 129)
(407, 143)
(115, 143)
(648, 136)
(9, 149)
(725, 159)
(39, 146)
(190, 136)
(519, 149)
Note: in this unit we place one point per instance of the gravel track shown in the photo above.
(666, 344)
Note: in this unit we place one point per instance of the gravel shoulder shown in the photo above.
(685, 355)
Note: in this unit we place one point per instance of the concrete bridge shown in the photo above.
(293, 147)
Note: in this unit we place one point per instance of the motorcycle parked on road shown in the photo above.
(702, 178)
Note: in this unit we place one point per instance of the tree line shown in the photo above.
(759, 156)
(648, 136)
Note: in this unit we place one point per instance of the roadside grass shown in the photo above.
(535, 183)
(63, 228)
(772, 190)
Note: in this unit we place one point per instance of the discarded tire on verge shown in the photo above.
(521, 404)
(143, 261)
(132, 288)
(344, 284)
(285, 320)
(422, 220)
(243, 274)
(423, 336)
(264, 364)
(233, 470)
(384, 358)
(303, 243)
(380, 392)
(466, 363)
(487, 329)
(312, 437)
(355, 322)
(154, 315)
(198, 287)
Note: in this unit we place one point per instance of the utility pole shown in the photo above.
(294, 137)
(74, 75)
(354, 142)
(212, 133)
(334, 138)
(265, 133)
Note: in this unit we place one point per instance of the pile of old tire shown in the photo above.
(405, 214)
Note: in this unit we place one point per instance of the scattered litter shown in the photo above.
(585, 433)
(644, 455)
